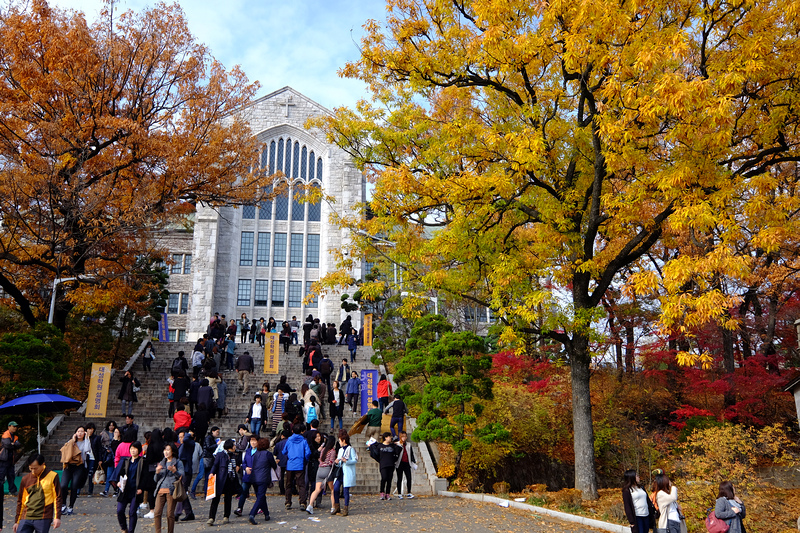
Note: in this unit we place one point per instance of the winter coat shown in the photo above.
(165, 478)
(220, 468)
(353, 386)
(247, 461)
(125, 382)
(724, 511)
(263, 464)
(349, 466)
(297, 452)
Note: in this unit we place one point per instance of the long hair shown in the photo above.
(629, 480)
(661, 482)
(726, 490)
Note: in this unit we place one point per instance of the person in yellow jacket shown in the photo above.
(39, 499)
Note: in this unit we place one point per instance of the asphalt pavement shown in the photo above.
(367, 514)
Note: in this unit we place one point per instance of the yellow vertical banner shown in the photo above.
(98, 390)
(271, 351)
(368, 330)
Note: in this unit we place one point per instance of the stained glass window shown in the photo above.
(296, 160)
(282, 206)
(280, 155)
(315, 209)
(298, 207)
(303, 161)
(265, 210)
(288, 164)
(319, 169)
(311, 162)
(248, 211)
(272, 157)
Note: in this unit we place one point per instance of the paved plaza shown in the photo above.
(368, 514)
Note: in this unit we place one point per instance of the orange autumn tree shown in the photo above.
(527, 153)
(108, 132)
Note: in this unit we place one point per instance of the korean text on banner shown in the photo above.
(368, 330)
(163, 328)
(98, 390)
(271, 347)
(369, 389)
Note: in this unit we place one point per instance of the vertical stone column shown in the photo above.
(204, 266)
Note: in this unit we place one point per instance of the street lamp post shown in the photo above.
(56, 283)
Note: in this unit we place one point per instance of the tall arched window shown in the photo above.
(319, 169)
(272, 157)
(315, 209)
(264, 156)
(287, 168)
(296, 160)
(280, 155)
(282, 206)
(298, 206)
(311, 161)
(303, 159)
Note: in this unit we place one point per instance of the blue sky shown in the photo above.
(300, 43)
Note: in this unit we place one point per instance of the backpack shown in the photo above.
(177, 364)
(714, 524)
(325, 366)
(312, 414)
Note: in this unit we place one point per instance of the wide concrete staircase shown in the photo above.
(152, 409)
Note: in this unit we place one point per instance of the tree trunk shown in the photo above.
(630, 348)
(585, 477)
(728, 362)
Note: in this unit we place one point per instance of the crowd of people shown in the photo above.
(157, 474)
(661, 512)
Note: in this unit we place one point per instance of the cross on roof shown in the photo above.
(286, 104)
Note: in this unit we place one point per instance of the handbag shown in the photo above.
(715, 525)
(99, 477)
(179, 493)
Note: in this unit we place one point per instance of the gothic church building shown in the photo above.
(262, 259)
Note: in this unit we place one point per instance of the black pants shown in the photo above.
(245, 493)
(7, 472)
(146, 364)
(73, 478)
(386, 479)
(231, 489)
(404, 468)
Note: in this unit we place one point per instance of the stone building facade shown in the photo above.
(262, 259)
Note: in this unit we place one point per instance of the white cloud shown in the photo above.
(301, 43)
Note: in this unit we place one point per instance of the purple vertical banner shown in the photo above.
(163, 329)
(369, 389)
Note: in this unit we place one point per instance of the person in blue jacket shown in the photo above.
(261, 478)
(247, 482)
(297, 453)
(227, 468)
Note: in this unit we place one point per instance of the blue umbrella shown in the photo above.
(37, 401)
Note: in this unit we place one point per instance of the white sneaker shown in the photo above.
(310, 509)
(400, 496)
(151, 514)
(409, 495)
(142, 506)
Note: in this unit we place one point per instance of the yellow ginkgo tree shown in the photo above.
(525, 153)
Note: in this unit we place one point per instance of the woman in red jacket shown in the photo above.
(384, 392)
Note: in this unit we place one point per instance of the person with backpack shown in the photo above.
(385, 453)
(639, 509)
(326, 369)
(310, 410)
(729, 508)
